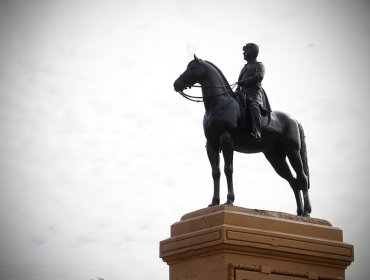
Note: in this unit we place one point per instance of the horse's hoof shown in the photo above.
(214, 203)
(306, 214)
(228, 203)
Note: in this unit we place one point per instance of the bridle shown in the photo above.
(203, 98)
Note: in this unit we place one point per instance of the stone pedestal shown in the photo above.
(233, 243)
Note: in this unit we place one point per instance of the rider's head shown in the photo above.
(251, 51)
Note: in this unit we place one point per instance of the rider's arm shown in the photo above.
(257, 77)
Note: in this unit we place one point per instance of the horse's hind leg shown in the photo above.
(296, 162)
(277, 158)
(307, 203)
(214, 159)
(302, 180)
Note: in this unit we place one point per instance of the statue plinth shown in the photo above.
(233, 243)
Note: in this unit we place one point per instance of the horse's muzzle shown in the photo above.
(177, 87)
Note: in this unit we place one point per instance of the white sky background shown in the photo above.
(99, 156)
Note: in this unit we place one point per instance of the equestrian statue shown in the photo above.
(242, 121)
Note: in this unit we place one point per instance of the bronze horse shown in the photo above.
(226, 132)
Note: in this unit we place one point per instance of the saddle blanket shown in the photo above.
(274, 125)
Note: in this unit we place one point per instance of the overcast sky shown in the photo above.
(99, 156)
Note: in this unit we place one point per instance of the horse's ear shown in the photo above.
(196, 58)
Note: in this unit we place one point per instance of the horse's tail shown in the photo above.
(303, 153)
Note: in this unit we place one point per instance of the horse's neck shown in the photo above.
(214, 89)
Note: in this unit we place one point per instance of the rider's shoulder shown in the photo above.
(259, 65)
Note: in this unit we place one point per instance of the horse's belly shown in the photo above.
(247, 149)
(244, 143)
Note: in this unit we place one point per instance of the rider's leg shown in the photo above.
(255, 114)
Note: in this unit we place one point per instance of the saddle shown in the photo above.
(269, 120)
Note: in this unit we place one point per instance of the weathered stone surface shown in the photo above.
(280, 215)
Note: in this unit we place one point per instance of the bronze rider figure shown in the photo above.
(252, 96)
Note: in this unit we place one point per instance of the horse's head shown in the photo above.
(194, 73)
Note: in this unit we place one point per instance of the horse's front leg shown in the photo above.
(226, 142)
(214, 159)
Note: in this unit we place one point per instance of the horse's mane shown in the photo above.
(222, 77)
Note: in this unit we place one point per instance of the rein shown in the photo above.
(198, 99)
